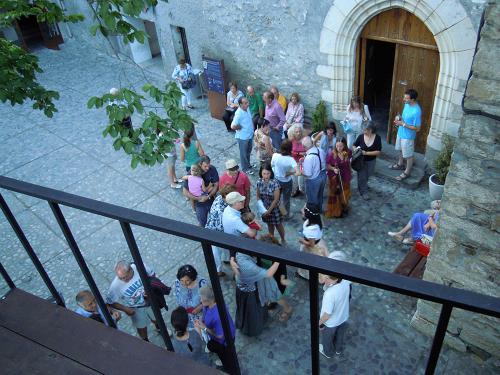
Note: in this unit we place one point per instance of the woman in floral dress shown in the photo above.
(268, 190)
(186, 288)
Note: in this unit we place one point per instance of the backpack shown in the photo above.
(160, 290)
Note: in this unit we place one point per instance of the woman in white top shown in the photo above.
(232, 97)
(183, 74)
(357, 112)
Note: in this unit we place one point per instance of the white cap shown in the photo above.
(231, 163)
(234, 197)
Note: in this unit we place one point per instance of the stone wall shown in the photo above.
(261, 42)
(465, 252)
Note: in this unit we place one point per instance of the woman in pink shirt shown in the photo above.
(295, 134)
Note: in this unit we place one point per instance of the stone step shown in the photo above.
(382, 170)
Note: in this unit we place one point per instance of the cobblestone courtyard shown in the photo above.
(69, 153)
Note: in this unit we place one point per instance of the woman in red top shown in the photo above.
(338, 167)
(295, 134)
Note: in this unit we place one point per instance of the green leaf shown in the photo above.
(93, 29)
(91, 103)
(117, 144)
(134, 162)
(129, 147)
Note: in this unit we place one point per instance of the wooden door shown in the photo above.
(416, 64)
(415, 68)
(51, 35)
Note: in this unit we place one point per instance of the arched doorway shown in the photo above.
(395, 52)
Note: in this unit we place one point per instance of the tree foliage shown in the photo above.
(18, 81)
(443, 160)
(162, 123)
(319, 117)
(148, 143)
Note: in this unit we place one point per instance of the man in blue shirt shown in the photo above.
(243, 124)
(408, 126)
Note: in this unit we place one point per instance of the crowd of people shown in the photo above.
(292, 164)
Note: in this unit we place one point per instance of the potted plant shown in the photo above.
(319, 118)
(441, 167)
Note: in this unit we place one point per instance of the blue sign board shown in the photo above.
(214, 74)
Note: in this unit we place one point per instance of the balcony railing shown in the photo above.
(447, 297)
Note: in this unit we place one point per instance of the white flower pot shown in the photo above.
(435, 190)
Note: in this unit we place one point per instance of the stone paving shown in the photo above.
(69, 153)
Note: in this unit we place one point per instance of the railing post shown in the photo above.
(136, 256)
(77, 254)
(31, 253)
(314, 321)
(437, 342)
(6, 277)
(221, 305)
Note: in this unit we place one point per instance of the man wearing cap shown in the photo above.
(231, 218)
(334, 311)
(243, 125)
(234, 176)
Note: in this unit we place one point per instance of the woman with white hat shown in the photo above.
(312, 232)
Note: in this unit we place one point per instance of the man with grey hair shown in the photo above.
(314, 172)
(212, 326)
(276, 118)
(256, 105)
(126, 293)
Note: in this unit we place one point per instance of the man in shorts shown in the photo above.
(126, 293)
(408, 126)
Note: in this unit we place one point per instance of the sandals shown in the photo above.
(397, 167)
(396, 236)
(402, 176)
(284, 316)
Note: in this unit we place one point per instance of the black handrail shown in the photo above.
(447, 296)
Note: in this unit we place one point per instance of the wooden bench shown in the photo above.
(413, 264)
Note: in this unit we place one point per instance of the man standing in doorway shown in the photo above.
(276, 118)
(242, 123)
(256, 105)
(408, 126)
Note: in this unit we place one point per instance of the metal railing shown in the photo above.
(448, 297)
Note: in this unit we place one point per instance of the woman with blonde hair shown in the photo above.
(357, 113)
(296, 134)
(294, 113)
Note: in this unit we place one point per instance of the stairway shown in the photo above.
(390, 156)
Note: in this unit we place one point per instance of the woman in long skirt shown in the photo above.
(338, 164)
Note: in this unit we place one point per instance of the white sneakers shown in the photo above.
(322, 351)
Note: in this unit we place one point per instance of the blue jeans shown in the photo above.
(286, 193)
(202, 209)
(315, 188)
(276, 136)
(364, 174)
(245, 146)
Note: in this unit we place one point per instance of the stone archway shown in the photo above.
(455, 37)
